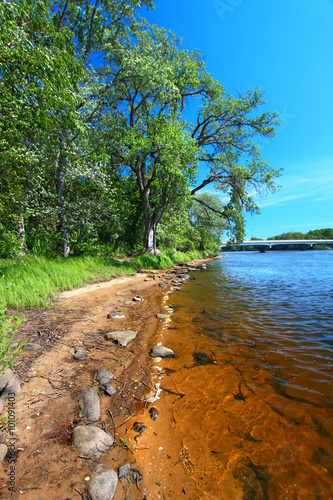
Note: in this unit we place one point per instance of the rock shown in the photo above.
(131, 475)
(9, 383)
(153, 412)
(162, 316)
(89, 403)
(202, 266)
(122, 337)
(126, 302)
(158, 351)
(31, 346)
(91, 441)
(78, 353)
(103, 376)
(124, 472)
(138, 298)
(109, 389)
(116, 315)
(1, 406)
(3, 451)
(103, 483)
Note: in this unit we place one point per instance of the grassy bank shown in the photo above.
(32, 282)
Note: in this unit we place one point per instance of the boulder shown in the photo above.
(9, 383)
(91, 441)
(78, 353)
(158, 351)
(122, 337)
(89, 403)
(103, 483)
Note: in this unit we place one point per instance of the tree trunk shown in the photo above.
(21, 232)
(150, 238)
(60, 172)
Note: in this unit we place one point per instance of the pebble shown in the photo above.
(31, 346)
(103, 376)
(78, 353)
(89, 403)
(122, 337)
(3, 451)
(162, 316)
(103, 483)
(116, 315)
(158, 351)
(9, 382)
(91, 441)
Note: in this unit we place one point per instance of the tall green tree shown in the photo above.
(153, 81)
(39, 75)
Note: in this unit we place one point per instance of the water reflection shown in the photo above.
(254, 368)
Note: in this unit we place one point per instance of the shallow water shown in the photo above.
(248, 400)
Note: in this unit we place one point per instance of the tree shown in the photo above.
(151, 80)
(39, 75)
(225, 133)
(205, 216)
(148, 77)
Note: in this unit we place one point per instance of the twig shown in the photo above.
(88, 458)
(125, 446)
(79, 492)
(124, 422)
(114, 427)
(121, 390)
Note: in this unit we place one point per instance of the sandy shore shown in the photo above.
(47, 410)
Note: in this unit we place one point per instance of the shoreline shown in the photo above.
(47, 407)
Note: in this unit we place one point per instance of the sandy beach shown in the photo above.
(47, 409)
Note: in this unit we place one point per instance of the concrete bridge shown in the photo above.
(263, 245)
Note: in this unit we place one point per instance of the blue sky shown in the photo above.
(284, 47)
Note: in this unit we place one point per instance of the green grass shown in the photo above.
(32, 282)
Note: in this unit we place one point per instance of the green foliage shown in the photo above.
(102, 159)
(318, 234)
(8, 327)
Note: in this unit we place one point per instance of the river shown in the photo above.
(247, 406)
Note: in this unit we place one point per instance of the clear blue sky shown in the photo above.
(284, 47)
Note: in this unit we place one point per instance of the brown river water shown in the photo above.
(246, 408)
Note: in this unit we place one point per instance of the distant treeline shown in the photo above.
(316, 234)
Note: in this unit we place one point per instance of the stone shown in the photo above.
(9, 383)
(122, 337)
(162, 316)
(138, 298)
(159, 351)
(103, 376)
(91, 441)
(78, 353)
(116, 315)
(125, 302)
(1, 406)
(89, 403)
(3, 451)
(124, 472)
(31, 346)
(109, 389)
(103, 483)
